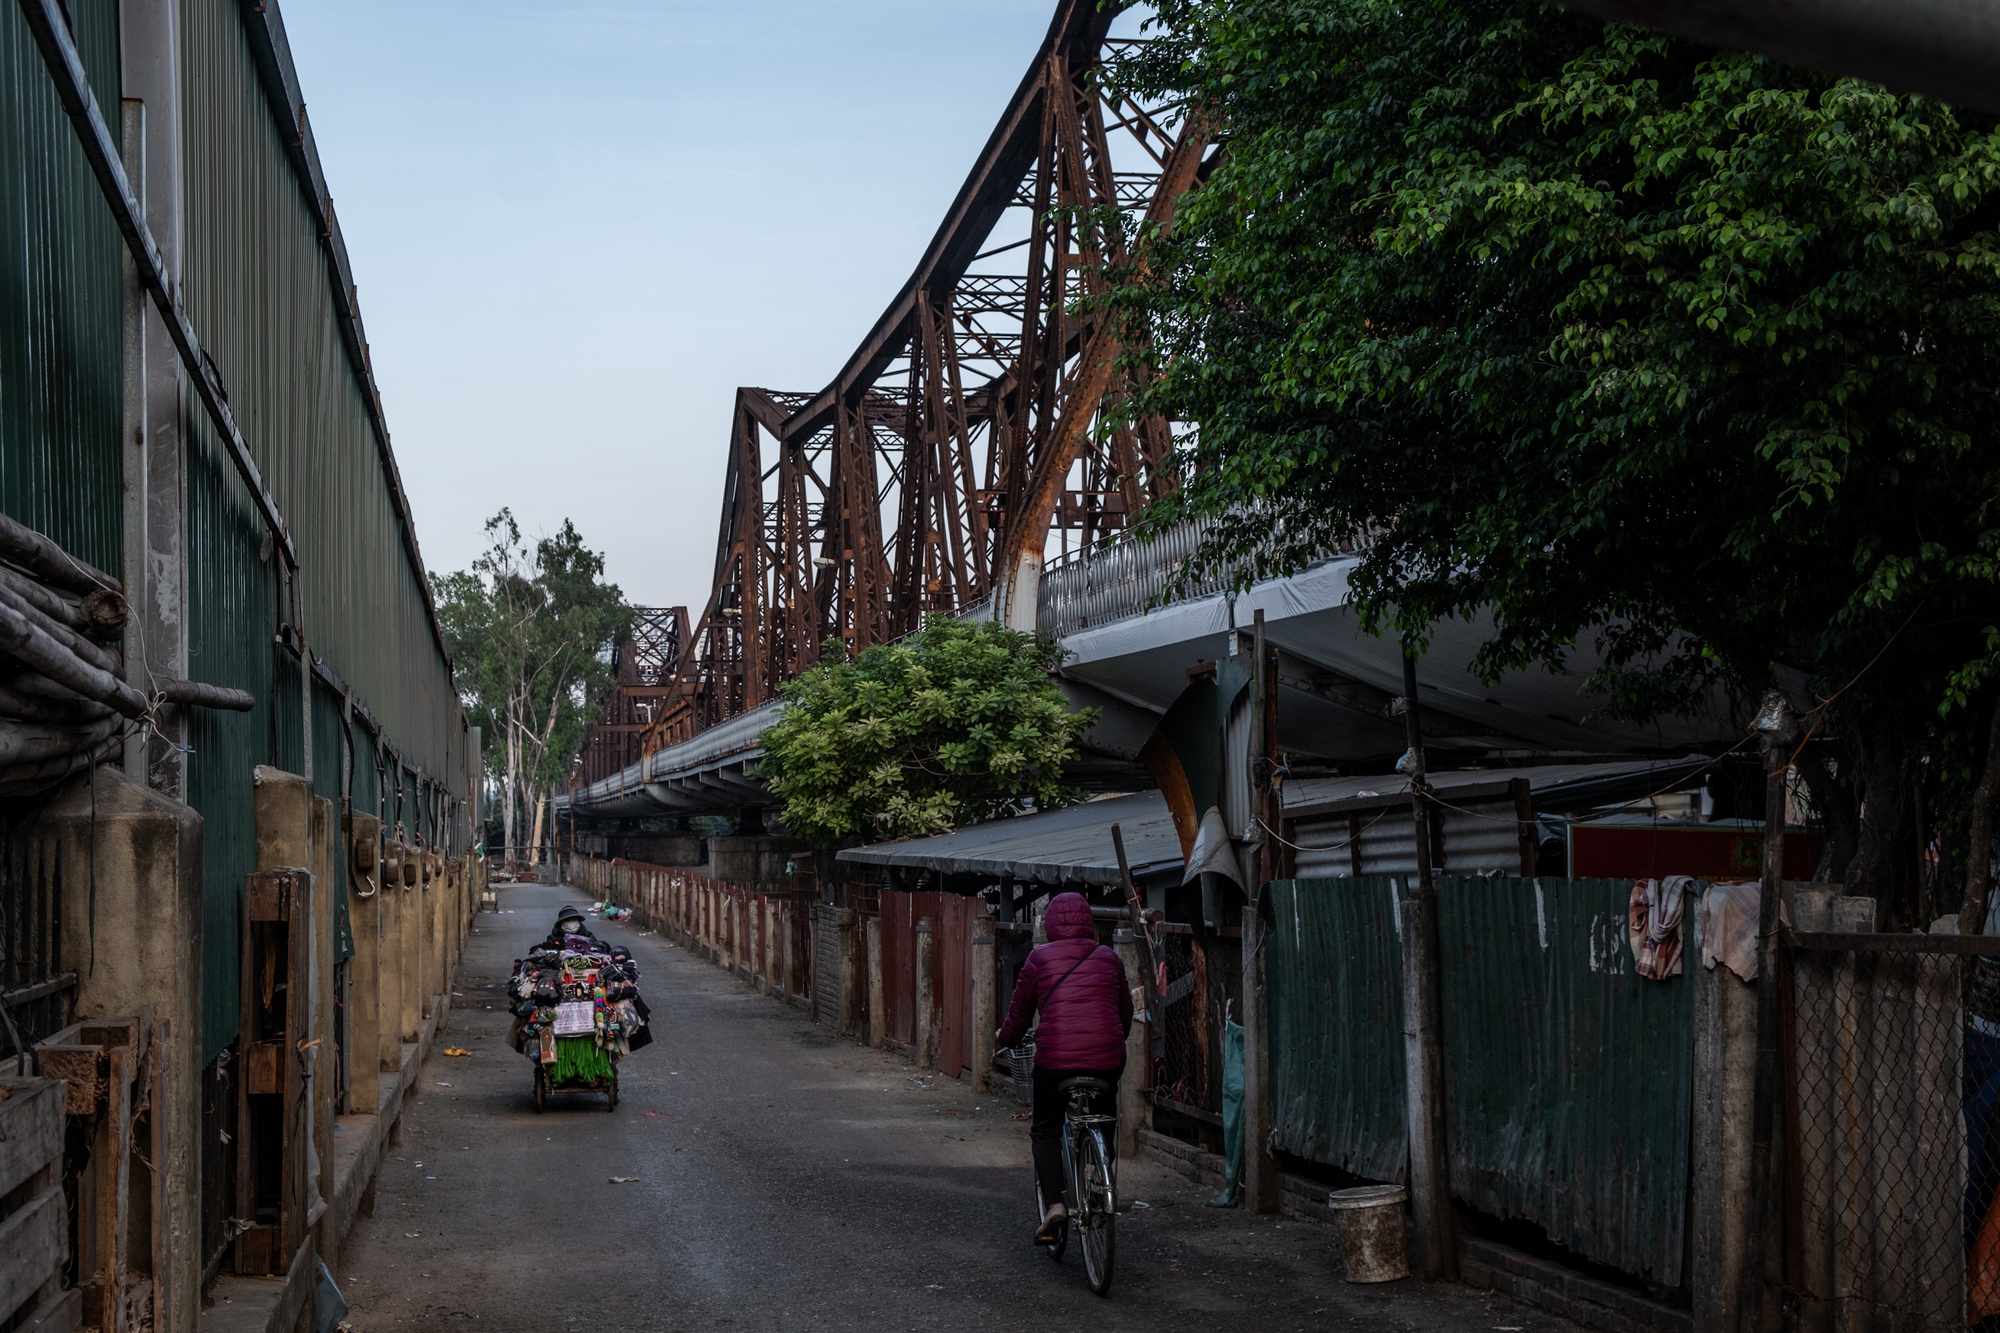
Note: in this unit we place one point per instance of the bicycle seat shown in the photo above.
(1095, 1086)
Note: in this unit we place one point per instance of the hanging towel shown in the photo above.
(1729, 927)
(1653, 925)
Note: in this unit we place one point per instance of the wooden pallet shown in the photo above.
(34, 1223)
(104, 1078)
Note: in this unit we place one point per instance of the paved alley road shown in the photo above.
(787, 1180)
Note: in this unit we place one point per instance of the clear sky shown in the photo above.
(577, 227)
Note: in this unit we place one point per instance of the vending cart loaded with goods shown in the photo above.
(577, 1011)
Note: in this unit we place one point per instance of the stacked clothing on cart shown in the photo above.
(578, 1003)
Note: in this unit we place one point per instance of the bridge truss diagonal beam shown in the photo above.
(954, 448)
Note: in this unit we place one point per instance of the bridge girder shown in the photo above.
(954, 446)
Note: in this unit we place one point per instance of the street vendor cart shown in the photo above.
(578, 1013)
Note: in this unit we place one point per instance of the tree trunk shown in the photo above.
(1979, 838)
(513, 790)
(1881, 867)
(541, 805)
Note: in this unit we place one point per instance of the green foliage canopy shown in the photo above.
(1677, 352)
(530, 630)
(957, 723)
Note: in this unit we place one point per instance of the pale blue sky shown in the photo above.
(578, 227)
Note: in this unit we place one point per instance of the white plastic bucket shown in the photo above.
(1370, 1219)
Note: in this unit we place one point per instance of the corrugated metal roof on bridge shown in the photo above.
(1074, 844)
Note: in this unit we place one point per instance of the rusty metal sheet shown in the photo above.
(1333, 977)
(899, 964)
(951, 979)
(1568, 1077)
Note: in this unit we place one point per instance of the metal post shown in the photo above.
(1777, 729)
(1423, 1039)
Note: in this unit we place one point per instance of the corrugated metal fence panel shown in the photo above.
(61, 338)
(258, 288)
(1568, 1077)
(951, 983)
(1333, 972)
(1478, 836)
(899, 964)
(826, 962)
(232, 620)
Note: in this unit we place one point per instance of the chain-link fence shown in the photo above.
(1201, 984)
(1892, 1149)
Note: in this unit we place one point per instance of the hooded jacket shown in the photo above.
(1078, 987)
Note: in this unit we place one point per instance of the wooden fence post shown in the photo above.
(878, 1014)
(925, 1035)
(985, 1001)
(1260, 1169)
(1133, 1110)
(1423, 1035)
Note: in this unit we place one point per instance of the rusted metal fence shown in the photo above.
(950, 916)
(761, 937)
(1891, 1156)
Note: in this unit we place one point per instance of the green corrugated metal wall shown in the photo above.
(258, 289)
(61, 308)
(1568, 1077)
(232, 626)
(1333, 973)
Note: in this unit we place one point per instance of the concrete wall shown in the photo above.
(753, 861)
(131, 866)
(659, 849)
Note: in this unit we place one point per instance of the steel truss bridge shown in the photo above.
(954, 450)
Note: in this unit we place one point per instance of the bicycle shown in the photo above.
(1091, 1172)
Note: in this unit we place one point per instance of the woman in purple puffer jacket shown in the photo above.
(1078, 987)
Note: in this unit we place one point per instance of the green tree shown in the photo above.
(1676, 353)
(957, 723)
(530, 630)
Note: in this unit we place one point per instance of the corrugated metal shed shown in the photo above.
(1075, 844)
(1334, 973)
(1568, 1077)
(1072, 844)
(1362, 826)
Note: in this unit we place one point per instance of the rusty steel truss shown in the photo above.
(956, 446)
(646, 669)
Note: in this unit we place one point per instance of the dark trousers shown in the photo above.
(1045, 1133)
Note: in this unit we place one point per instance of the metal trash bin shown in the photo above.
(1370, 1219)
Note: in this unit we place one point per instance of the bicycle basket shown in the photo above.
(1021, 1062)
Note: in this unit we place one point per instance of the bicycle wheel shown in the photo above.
(1097, 1213)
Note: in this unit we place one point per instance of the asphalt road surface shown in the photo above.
(775, 1177)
